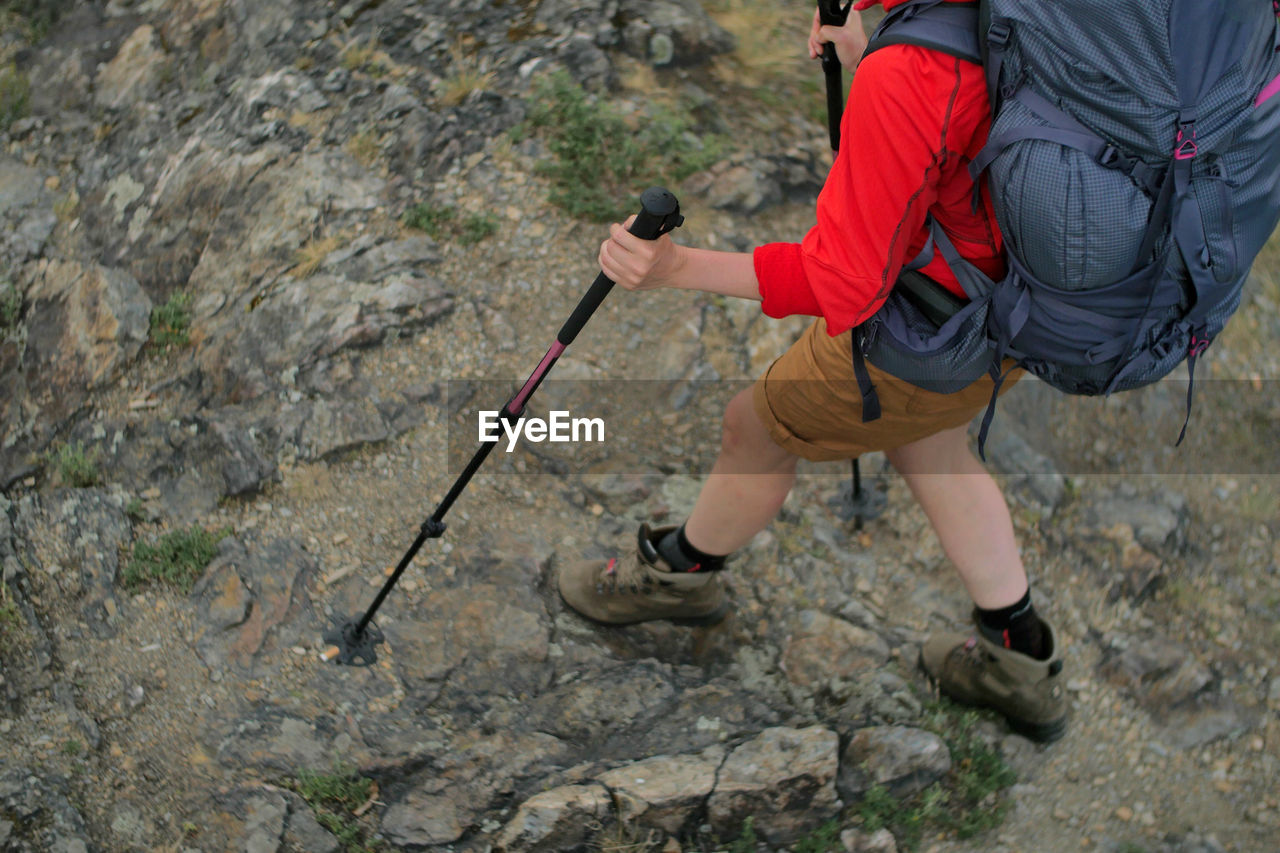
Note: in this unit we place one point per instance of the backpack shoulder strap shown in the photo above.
(951, 28)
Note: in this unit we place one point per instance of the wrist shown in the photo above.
(675, 262)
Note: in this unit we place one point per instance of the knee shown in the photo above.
(740, 431)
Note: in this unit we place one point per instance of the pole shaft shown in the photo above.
(659, 213)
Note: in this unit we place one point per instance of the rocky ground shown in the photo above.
(259, 158)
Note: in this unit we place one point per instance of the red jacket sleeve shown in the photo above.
(913, 120)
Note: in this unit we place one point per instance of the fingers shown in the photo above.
(816, 40)
(629, 260)
(636, 263)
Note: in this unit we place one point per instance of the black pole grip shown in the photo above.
(659, 213)
(835, 93)
(832, 14)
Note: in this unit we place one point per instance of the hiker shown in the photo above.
(915, 119)
(1134, 177)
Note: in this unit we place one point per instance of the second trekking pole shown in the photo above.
(355, 642)
(865, 504)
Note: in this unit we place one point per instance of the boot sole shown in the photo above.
(1038, 732)
(715, 617)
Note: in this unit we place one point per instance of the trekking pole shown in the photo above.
(355, 642)
(832, 13)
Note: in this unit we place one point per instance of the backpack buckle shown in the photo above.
(1110, 157)
(1185, 145)
(998, 35)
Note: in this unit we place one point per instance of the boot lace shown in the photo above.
(969, 654)
(623, 577)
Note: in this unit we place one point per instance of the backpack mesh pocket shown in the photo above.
(945, 359)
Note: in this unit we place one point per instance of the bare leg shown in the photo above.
(747, 485)
(968, 512)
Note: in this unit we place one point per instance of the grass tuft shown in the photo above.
(365, 147)
(442, 222)
(11, 621)
(15, 96)
(467, 75)
(310, 256)
(337, 799)
(600, 156)
(171, 321)
(432, 220)
(75, 465)
(969, 802)
(10, 307)
(176, 559)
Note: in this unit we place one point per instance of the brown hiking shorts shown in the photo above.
(810, 403)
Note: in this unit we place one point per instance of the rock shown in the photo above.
(223, 599)
(273, 740)
(245, 465)
(600, 708)
(312, 319)
(821, 648)
(482, 643)
(1160, 673)
(337, 427)
(683, 31)
(26, 214)
(586, 62)
(903, 760)
(85, 324)
(1189, 728)
(267, 610)
(745, 188)
(78, 535)
(880, 841)
(459, 782)
(665, 792)
(1159, 521)
(39, 815)
(423, 819)
(407, 256)
(134, 72)
(1195, 842)
(283, 88)
(266, 818)
(554, 820)
(783, 777)
(129, 826)
(195, 461)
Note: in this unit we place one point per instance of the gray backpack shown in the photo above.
(1134, 166)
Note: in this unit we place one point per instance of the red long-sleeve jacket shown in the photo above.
(914, 120)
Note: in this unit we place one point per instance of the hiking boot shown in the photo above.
(973, 670)
(640, 586)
